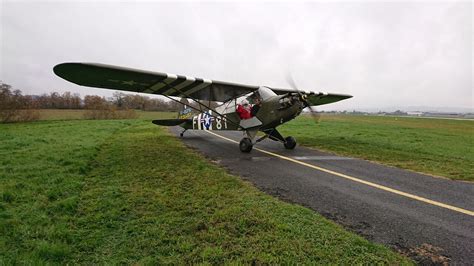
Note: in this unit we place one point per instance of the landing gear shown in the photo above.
(245, 145)
(290, 143)
(182, 133)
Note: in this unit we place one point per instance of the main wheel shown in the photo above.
(290, 143)
(245, 145)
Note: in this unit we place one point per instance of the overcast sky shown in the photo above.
(385, 54)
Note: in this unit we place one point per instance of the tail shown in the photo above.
(184, 116)
(186, 113)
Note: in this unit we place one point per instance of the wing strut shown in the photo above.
(200, 104)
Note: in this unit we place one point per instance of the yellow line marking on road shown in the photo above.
(398, 192)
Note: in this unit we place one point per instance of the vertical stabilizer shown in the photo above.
(186, 113)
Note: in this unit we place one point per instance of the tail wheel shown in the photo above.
(290, 143)
(245, 145)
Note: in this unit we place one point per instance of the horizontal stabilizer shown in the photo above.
(170, 122)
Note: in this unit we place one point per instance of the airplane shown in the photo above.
(247, 108)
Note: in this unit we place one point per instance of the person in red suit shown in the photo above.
(244, 109)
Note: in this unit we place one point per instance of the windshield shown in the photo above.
(265, 93)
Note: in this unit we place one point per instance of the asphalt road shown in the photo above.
(429, 219)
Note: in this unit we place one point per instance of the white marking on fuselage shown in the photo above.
(194, 121)
(208, 120)
(199, 122)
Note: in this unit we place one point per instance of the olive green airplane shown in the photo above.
(246, 108)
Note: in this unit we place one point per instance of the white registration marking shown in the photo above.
(194, 121)
(199, 122)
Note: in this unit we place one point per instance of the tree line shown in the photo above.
(14, 106)
(68, 100)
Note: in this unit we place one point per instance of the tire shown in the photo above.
(290, 143)
(245, 145)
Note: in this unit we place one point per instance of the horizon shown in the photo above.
(444, 109)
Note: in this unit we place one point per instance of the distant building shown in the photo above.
(415, 113)
(442, 114)
(399, 112)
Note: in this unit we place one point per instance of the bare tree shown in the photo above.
(14, 107)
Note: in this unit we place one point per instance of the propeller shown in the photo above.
(304, 98)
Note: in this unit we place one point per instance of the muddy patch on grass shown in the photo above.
(425, 254)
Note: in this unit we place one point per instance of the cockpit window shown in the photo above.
(265, 93)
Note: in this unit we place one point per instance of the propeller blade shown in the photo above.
(315, 115)
(291, 82)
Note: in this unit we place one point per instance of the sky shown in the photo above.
(385, 54)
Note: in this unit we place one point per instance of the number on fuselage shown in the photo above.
(206, 121)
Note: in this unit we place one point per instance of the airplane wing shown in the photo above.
(142, 81)
(134, 80)
(317, 98)
(325, 98)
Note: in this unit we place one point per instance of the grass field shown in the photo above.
(436, 146)
(125, 191)
(439, 147)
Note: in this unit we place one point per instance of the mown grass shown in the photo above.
(95, 192)
(436, 146)
(72, 114)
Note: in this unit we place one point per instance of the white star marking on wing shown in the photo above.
(131, 82)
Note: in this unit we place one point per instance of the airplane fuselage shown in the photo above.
(273, 112)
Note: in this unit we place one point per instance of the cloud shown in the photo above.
(385, 54)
